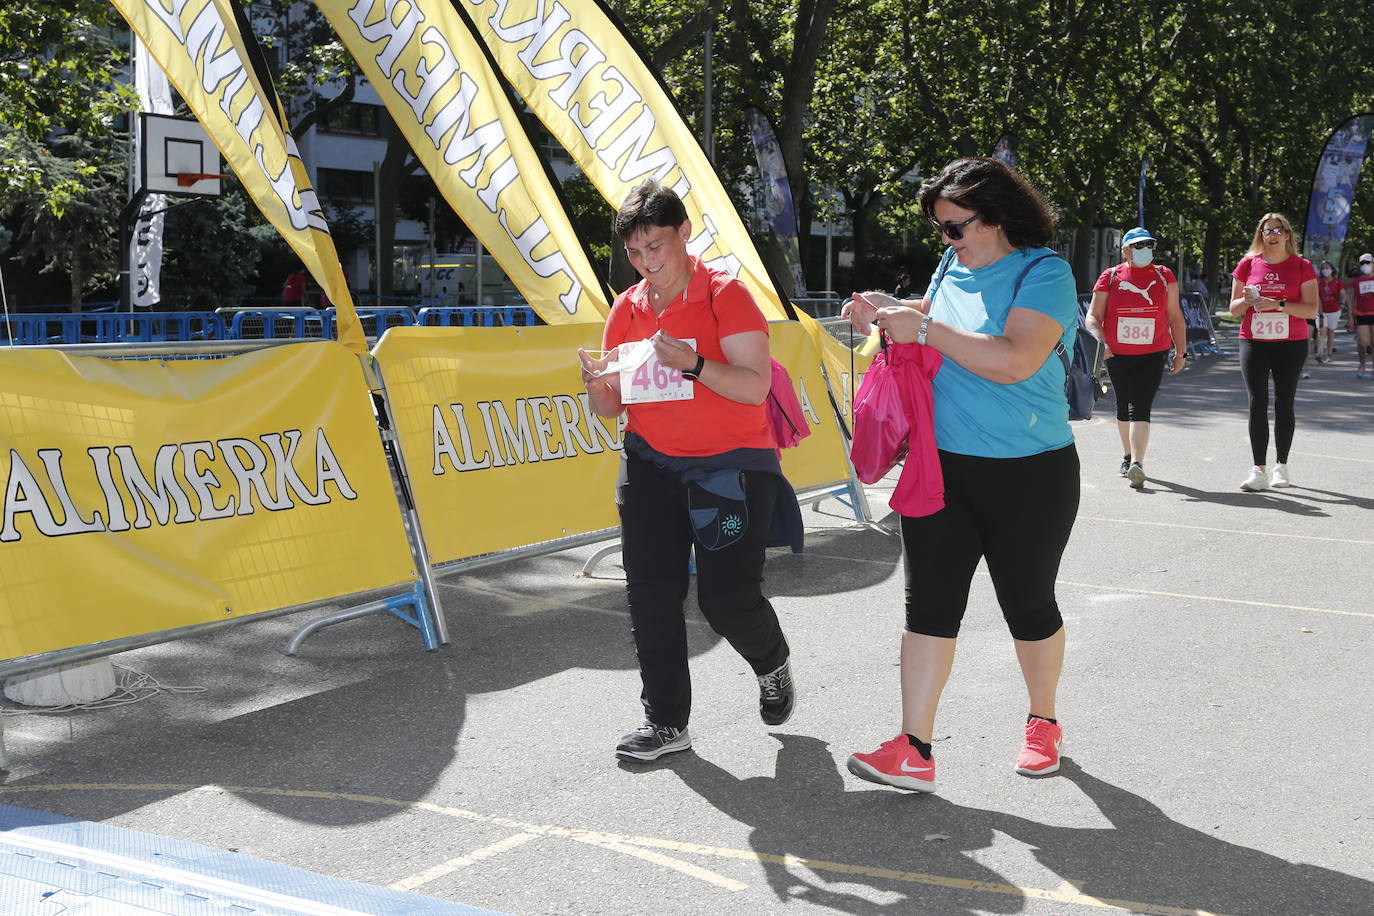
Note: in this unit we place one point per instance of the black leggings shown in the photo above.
(1282, 359)
(1017, 513)
(1135, 380)
(656, 538)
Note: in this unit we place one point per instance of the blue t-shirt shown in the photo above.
(977, 416)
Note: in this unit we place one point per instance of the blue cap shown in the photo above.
(1138, 234)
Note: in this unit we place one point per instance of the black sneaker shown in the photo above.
(776, 695)
(1136, 475)
(650, 742)
(1125, 466)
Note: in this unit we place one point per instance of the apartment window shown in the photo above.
(354, 118)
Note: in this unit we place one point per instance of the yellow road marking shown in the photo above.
(1068, 892)
(1146, 591)
(452, 865)
(1268, 534)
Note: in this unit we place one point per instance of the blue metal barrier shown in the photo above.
(375, 321)
(34, 329)
(487, 316)
(271, 324)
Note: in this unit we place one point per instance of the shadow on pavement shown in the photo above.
(1144, 857)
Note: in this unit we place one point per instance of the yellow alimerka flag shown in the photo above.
(435, 80)
(210, 60)
(146, 495)
(582, 77)
(585, 80)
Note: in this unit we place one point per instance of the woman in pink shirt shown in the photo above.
(1329, 290)
(1274, 292)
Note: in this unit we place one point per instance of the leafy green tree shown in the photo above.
(82, 238)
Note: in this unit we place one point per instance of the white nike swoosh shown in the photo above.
(911, 769)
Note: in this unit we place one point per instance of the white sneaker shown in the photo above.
(1279, 477)
(1258, 480)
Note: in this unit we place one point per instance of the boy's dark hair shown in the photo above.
(998, 194)
(649, 204)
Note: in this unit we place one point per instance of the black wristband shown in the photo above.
(694, 372)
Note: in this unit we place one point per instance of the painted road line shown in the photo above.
(658, 858)
(452, 865)
(1267, 534)
(1066, 893)
(1219, 600)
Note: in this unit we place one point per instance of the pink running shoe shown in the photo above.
(895, 763)
(1040, 754)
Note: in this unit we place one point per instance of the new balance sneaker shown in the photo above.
(1040, 754)
(1258, 480)
(895, 763)
(1125, 465)
(1279, 476)
(650, 742)
(777, 696)
(1136, 475)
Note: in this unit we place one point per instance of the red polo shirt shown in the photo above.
(715, 305)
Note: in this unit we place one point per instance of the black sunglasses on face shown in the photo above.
(1274, 230)
(1139, 245)
(949, 229)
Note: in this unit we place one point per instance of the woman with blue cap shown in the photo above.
(1136, 315)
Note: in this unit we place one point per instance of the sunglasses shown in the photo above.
(1150, 244)
(1274, 230)
(949, 229)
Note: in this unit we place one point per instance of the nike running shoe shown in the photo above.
(895, 763)
(777, 695)
(650, 742)
(1040, 754)
(1125, 466)
(1258, 480)
(1136, 475)
(1279, 477)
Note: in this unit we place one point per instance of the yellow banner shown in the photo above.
(584, 79)
(499, 440)
(433, 76)
(143, 496)
(581, 76)
(822, 457)
(199, 44)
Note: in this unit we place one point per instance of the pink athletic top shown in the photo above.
(1283, 280)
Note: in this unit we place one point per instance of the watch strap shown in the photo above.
(921, 333)
(695, 372)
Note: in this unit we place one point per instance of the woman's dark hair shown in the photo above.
(998, 194)
(649, 204)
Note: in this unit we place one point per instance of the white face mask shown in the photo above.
(1366, 267)
(1142, 257)
(1326, 271)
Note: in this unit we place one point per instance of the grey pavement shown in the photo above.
(1216, 699)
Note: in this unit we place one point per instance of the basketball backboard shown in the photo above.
(178, 157)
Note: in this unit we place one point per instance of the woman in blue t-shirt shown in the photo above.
(996, 308)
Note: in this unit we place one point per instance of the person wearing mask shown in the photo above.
(687, 359)
(1331, 293)
(1273, 292)
(1136, 314)
(1362, 310)
(996, 308)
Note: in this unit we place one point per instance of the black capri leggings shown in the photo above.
(1015, 512)
(1283, 359)
(1135, 380)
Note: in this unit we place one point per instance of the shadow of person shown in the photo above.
(1147, 856)
(855, 839)
(1267, 499)
(1330, 497)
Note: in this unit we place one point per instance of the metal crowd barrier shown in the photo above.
(51, 328)
(277, 324)
(819, 308)
(490, 316)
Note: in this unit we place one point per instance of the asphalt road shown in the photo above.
(1216, 700)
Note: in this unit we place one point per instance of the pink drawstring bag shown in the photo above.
(785, 416)
(881, 427)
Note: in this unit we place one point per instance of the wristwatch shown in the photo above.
(921, 332)
(695, 371)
